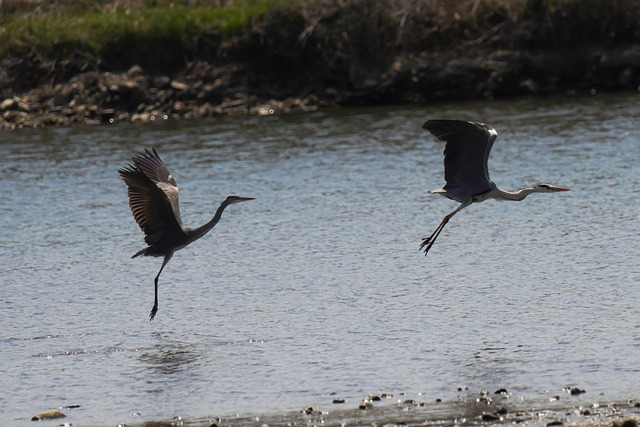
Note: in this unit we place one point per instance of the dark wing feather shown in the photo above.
(466, 154)
(153, 196)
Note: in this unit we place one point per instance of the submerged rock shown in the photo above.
(48, 415)
(576, 391)
(489, 417)
(484, 398)
(365, 405)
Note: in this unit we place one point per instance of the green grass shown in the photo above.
(166, 33)
(106, 31)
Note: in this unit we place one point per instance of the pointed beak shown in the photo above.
(246, 199)
(561, 189)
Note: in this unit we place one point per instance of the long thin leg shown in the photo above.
(428, 242)
(154, 310)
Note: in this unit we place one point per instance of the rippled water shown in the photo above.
(317, 286)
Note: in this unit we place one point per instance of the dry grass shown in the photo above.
(325, 33)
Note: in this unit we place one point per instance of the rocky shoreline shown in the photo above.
(483, 409)
(464, 412)
(109, 97)
(203, 89)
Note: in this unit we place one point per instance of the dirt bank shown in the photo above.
(339, 53)
(203, 89)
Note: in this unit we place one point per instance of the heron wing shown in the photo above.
(153, 196)
(466, 154)
(154, 168)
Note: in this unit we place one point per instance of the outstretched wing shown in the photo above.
(466, 154)
(153, 196)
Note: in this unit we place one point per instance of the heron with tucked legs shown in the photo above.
(153, 199)
(466, 172)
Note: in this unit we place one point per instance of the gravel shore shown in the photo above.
(203, 89)
(481, 410)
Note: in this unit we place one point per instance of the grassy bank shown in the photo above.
(119, 32)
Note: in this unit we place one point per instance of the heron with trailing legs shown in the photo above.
(466, 154)
(153, 199)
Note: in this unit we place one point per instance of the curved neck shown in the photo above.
(514, 195)
(196, 233)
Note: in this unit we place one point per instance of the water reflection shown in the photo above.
(168, 357)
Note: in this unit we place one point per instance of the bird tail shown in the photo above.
(141, 252)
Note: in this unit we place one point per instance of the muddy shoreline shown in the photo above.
(72, 92)
(473, 409)
(468, 412)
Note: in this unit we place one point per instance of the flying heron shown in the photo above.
(466, 153)
(153, 199)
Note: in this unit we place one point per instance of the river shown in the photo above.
(316, 290)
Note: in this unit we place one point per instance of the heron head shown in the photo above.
(237, 199)
(548, 188)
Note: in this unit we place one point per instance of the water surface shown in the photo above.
(316, 289)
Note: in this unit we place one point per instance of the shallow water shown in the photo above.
(317, 290)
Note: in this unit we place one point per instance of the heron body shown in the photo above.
(153, 199)
(466, 171)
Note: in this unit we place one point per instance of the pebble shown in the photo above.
(7, 104)
(161, 82)
(365, 405)
(484, 398)
(178, 85)
(489, 417)
(48, 415)
(135, 71)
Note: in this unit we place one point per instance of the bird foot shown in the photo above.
(425, 242)
(426, 245)
(154, 310)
